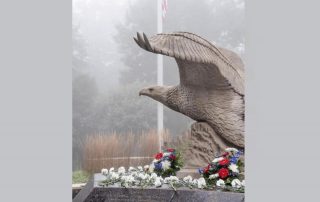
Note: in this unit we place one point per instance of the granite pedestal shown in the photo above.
(92, 192)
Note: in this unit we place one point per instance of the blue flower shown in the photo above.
(200, 170)
(234, 160)
(158, 166)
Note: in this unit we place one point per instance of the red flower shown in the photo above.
(224, 162)
(170, 150)
(206, 169)
(173, 157)
(223, 173)
(159, 156)
(225, 154)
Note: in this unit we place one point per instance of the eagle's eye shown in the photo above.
(150, 89)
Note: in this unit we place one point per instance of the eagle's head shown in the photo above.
(158, 93)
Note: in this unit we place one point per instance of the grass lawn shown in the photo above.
(80, 176)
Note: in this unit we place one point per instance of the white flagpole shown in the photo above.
(160, 76)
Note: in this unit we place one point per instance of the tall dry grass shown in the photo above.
(115, 150)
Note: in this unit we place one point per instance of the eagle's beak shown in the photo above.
(143, 92)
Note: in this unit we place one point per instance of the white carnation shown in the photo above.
(201, 183)
(140, 168)
(121, 170)
(153, 176)
(104, 171)
(187, 179)
(231, 150)
(130, 179)
(151, 168)
(172, 179)
(166, 154)
(146, 167)
(130, 169)
(243, 183)
(158, 182)
(114, 176)
(143, 176)
(236, 183)
(111, 170)
(217, 159)
(234, 168)
(166, 164)
(195, 182)
(213, 176)
(220, 183)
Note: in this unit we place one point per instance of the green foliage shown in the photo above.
(80, 176)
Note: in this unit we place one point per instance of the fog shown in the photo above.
(109, 68)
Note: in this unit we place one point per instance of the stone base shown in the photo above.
(204, 145)
(92, 192)
(185, 172)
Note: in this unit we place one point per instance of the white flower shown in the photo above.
(140, 168)
(114, 176)
(213, 176)
(155, 161)
(143, 176)
(166, 164)
(201, 183)
(130, 169)
(195, 182)
(172, 179)
(236, 183)
(242, 183)
(231, 150)
(146, 167)
(121, 170)
(217, 160)
(158, 182)
(220, 183)
(111, 170)
(153, 176)
(166, 154)
(130, 179)
(104, 171)
(187, 179)
(234, 168)
(151, 168)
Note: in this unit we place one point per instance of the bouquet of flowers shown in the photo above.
(138, 177)
(225, 170)
(166, 163)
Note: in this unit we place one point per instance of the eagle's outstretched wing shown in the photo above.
(200, 62)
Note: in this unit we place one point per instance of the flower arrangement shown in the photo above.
(138, 177)
(225, 170)
(166, 163)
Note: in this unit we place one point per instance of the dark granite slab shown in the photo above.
(92, 192)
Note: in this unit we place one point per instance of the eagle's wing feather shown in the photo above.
(197, 58)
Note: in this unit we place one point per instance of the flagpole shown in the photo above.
(159, 75)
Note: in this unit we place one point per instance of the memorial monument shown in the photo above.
(211, 91)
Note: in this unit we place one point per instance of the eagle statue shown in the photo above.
(211, 85)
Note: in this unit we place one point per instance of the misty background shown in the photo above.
(109, 69)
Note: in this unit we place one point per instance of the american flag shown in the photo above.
(164, 8)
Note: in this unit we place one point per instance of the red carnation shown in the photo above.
(159, 156)
(223, 173)
(224, 162)
(173, 157)
(170, 150)
(225, 154)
